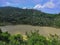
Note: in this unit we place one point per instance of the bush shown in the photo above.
(33, 38)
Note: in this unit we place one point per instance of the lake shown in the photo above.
(21, 29)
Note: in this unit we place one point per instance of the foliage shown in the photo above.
(33, 38)
(14, 15)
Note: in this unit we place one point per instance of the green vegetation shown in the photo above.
(32, 38)
(13, 15)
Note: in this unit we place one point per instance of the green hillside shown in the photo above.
(14, 15)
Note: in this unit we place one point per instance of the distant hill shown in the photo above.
(14, 15)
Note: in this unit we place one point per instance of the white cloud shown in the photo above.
(10, 4)
(49, 4)
(38, 6)
(7, 4)
(24, 7)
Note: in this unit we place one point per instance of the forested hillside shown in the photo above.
(14, 15)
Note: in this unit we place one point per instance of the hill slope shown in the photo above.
(13, 15)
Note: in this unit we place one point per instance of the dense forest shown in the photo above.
(14, 15)
(32, 38)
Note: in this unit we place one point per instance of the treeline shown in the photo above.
(13, 15)
(32, 38)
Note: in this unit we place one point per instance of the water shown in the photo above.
(21, 29)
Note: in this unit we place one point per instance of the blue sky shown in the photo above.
(48, 6)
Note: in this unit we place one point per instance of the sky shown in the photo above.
(48, 6)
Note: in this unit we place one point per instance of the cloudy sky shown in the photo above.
(49, 6)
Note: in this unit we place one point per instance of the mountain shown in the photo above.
(14, 15)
